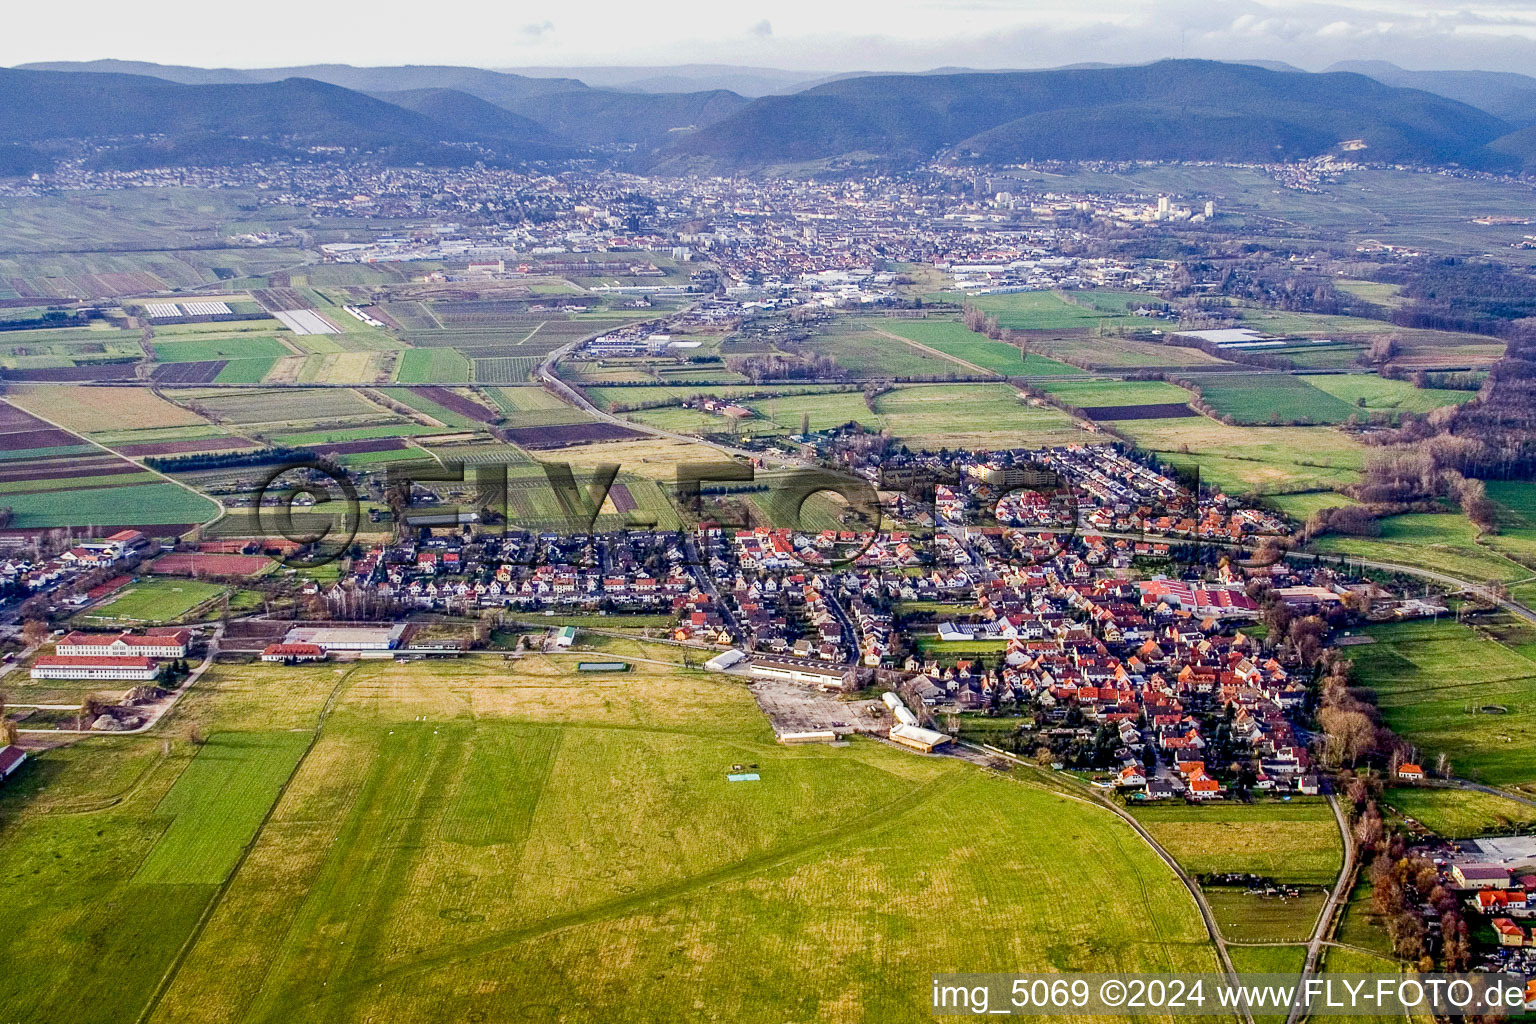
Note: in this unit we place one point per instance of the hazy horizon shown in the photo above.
(802, 37)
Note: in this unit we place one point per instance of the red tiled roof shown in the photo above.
(296, 649)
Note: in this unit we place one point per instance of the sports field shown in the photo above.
(457, 838)
(155, 600)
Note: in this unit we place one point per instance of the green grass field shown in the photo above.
(141, 504)
(219, 348)
(972, 416)
(217, 804)
(1459, 813)
(464, 841)
(953, 338)
(1256, 398)
(432, 366)
(1039, 311)
(1295, 842)
(1433, 682)
(156, 600)
(1443, 541)
(1378, 394)
(245, 371)
(1244, 918)
(866, 353)
(1089, 394)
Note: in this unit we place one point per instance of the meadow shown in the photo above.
(1256, 398)
(867, 352)
(1370, 393)
(1459, 813)
(457, 837)
(954, 339)
(972, 416)
(1260, 460)
(1452, 689)
(1039, 311)
(1296, 842)
(1089, 394)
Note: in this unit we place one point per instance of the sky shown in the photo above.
(808, 35)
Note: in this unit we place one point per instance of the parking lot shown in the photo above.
(791, 707)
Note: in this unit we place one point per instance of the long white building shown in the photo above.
(133, 669)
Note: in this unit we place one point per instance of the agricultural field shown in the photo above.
(346, 838)
(1444, 541)
(1451, 689)
(1040, 311)
(972, 415)
(1258, 460)
(52, 477)
(92, 409)
(864, 350)
(954, 339)
(1112, 353)
(293, 408)
(1116, 400)
(529, 407)
(1257, 398)
(147, 505)
(1460, 813)
(432, 366)
(154, 602)
(208, 350)
(1296, 842)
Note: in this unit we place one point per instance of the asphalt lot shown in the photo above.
(791, 707)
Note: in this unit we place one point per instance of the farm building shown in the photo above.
(117, 545)
(724, 660)
(138, 669)
(811, 675)
(817, 736)
(348, 638)
(10, 760)
(1410, 771)
(125, 645)
(566, 636)
(296, 652)
(926, 740)
(1480, 876)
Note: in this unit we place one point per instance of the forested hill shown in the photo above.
(1171, 110)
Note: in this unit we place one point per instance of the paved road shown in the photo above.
(1338, 895)
(1481, 590)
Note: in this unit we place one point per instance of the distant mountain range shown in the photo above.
(1171, 110)
(155, 115)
